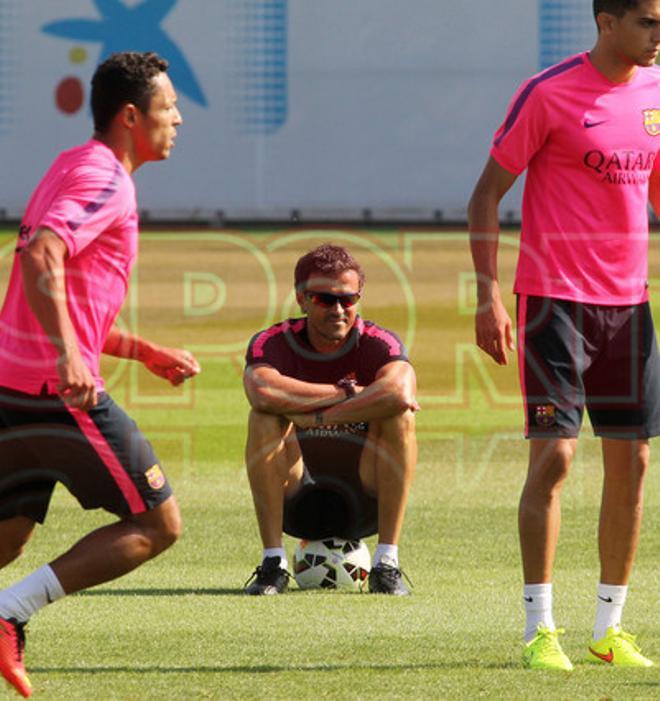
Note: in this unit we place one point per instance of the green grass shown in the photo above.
(179, 628)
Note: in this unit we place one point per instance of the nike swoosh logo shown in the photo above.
(606, 658)
(589, 125)
(607, 601)
(529, 599)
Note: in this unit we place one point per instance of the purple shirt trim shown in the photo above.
(106, 193)
(524, 95)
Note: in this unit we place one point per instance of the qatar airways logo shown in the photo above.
(626, 167)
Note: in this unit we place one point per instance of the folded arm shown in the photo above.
(391, 393)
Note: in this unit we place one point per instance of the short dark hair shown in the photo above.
(123, 78)
(325, 260)
(618, 8)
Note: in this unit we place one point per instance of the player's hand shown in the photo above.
(494, 332)
(172, 364)
(76, 387)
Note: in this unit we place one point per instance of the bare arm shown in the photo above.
(172, 364)
(492, 323)
(392, 392)
(269, 391)
(44, 282)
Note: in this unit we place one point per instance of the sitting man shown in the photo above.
(331, 446)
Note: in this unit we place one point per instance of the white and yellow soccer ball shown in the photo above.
(331, 563)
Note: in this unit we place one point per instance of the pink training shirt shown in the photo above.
(88, 199)
(589, 147)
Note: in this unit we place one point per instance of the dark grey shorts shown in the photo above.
(100, 456)
(604, 358)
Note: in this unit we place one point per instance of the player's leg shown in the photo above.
(15, 532)
(114, 550)
(624, 406)
(105, 462)
(539, 512)
(275, 470)
(552, 357)
(539, 519)
(24, 498)
(625, 463)
(387, 469)
(104, 554)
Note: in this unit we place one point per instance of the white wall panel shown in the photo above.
(328, 107)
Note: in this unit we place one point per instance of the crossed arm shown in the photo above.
(44, 281)
(392, 392)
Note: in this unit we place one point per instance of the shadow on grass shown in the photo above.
(182, 592)
(161, 592)
(270, 669)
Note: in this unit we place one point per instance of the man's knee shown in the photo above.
(271, 439)
(550, 463)
(402, 424)
(263, 422)
(161, 527)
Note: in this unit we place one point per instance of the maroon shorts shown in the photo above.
(331, 501)
(100, 456)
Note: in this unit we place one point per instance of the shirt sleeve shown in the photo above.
(90, 201)
(263, 348)
(381, 347)
(524, 130)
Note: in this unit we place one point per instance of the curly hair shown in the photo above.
(618, 8)
(123, 78)
(327, 260)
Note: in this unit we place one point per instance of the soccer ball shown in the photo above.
(331, 563)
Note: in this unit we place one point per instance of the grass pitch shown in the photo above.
(180, 628)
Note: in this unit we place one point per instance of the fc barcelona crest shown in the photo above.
(652, 122)
(545, 415)
(155, 477)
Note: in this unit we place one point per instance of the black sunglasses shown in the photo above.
(326, 299)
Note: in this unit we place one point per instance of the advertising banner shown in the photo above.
(315, 109)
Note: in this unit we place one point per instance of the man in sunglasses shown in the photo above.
(331, 447)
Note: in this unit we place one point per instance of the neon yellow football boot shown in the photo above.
(544, 651)
(618, 649)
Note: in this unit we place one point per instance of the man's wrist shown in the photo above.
(347, 385)
(141, 350)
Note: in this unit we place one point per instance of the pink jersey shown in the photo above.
(589, 146)
(88, 199)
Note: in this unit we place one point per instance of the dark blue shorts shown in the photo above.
(574, 355)
(100, 456)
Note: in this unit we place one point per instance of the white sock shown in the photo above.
(277, 552)
(609, 607)
(387, 554)
(26, 597)
(538, 608)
